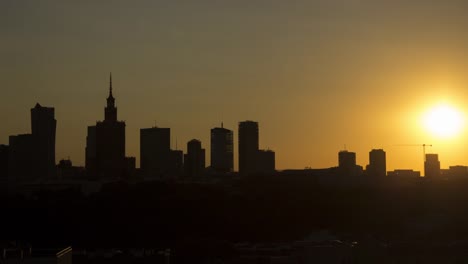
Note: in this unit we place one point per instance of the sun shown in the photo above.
(443, 121)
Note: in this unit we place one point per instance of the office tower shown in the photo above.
(155, 150)
(347, 163)
(265, 161)
(110, 142)
(4, 156)
(222, 157)
(43, 125)
(90, 160)
(130, 166)
(21, 158)
(194, 160)
(432, 166)
(377, 163)
(176, 162)
(248, 147)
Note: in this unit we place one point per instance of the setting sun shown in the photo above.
(443, 121)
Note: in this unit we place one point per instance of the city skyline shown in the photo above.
(317, 75)
(108, 138)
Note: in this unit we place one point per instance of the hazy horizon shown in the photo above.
(316, 75)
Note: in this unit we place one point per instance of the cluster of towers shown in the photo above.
(105, 150)
(32, 156)
(378, 166)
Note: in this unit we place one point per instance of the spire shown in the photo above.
(110, 85)
(110, 110)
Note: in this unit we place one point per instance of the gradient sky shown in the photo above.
(316, 75)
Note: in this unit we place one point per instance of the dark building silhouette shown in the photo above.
(4, 156)
(222, 149)
(194, 160)
(248, 147)
(347, 163)
(43, 125)
(110, 142)
(176, 162)
(155, 150)
(90, 160)
(130, 166)
(377, 163)
(21, 157)
(265, 161)
(32, 156)
(432, 166)
(66, 170)
(404, 174)
(458, 172)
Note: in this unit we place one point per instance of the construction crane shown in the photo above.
(418, 145)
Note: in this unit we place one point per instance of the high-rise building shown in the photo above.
(90, 160)
(43, 125)
(155, 150)
(194, 160)
(432, 166)
(347, 163)
(248, 147)
(110, 142)
(222, 154)
(176, 162)
(21, 158)
(377, 163)
(130, 166)
(4, 156)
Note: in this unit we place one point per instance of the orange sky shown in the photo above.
(316, 75)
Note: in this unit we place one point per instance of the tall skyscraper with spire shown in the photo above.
(110, 112)
(107, 156)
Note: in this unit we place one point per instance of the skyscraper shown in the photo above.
(176, 162)
(347, 163)
(194, 160)
(4, 156)
(377, 163)
(43, 125)
(32, 156)
(110, 142)
(21, 158)
(155, 150)
(90, 151)
(222, 155)
(248, 147)
(432, 166)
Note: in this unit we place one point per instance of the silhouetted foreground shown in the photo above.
(201, 220)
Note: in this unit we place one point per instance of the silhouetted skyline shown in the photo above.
(315, 74)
